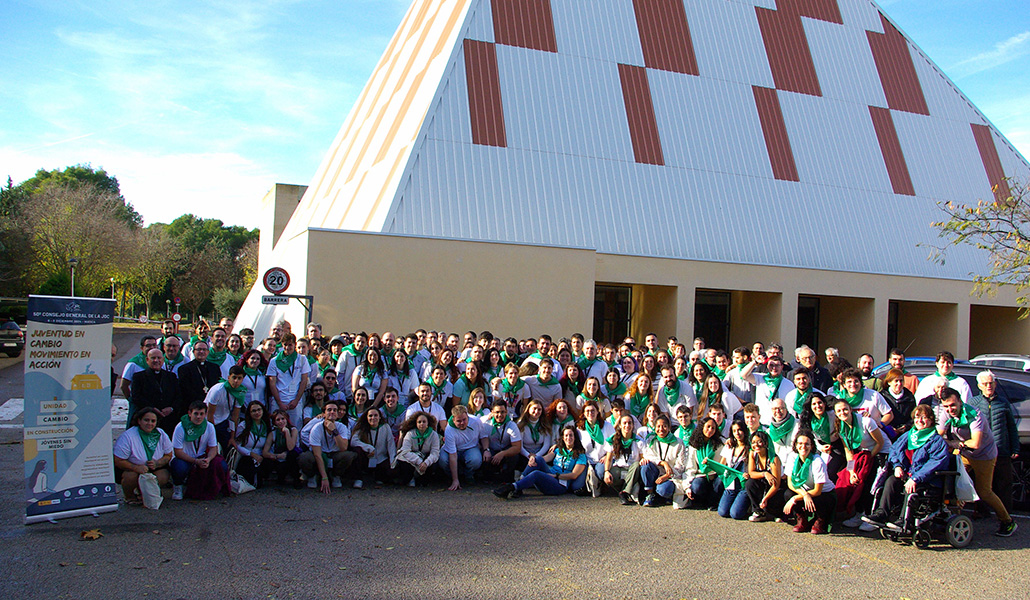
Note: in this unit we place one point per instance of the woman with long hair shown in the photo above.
(372, 441)
(662, 463)
(592, 393)
(143, 448)
(254, 382)
(370, 375)
(571, 382)
(401, 376)
(734, 503)
(705, 487)
(535, 427)
(764, 470)
(420, 449)
(561, 413)
(563, 470)
(639, 395)
(862, 441)
(250, 442)
(594, 430)
(810, 496)
(282, 449)
(622, 464)
(471, 379)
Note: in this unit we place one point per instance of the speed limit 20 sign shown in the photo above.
(276, 280)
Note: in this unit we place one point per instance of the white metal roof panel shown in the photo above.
(727, 42)
(603, 31)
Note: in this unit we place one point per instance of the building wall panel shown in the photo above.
(728, 43)
(603, 31)
(665, 35)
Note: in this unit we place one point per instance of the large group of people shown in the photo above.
(749, 433)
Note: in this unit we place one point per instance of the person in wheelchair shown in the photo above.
(916, 457)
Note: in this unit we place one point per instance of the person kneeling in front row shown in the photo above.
(197, 469)
(329, 440)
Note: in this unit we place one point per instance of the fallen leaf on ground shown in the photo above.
(92, 534)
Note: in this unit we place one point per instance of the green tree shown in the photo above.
(155, 260)
(1001, 228)
(75, 175)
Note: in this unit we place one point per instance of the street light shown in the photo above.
(112, 288)
(71, 263)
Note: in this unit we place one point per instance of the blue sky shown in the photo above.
(201, 106)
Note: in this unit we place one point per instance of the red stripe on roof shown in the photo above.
(824, 10)
(643, 127)
(665, 36)
(890, 147)
(484, 87)
(781, 157)
(897, 73)
(787, 48)
(992, 164)
(524, 23)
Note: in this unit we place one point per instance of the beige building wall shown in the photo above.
(382, 282)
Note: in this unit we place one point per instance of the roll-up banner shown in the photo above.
(69, 470)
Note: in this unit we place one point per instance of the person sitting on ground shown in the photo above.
(281, 449)
(420, 449)
(762, 486)
(250, 444)
(143, 448)
(198, 472)
(563, 470)
(462, 450)
(511, 388)
(376, 451)
(329, 440)
(704, 488)
(593, 431)
(662, 463)
(810, 496)
(504, 444)
(622, 464)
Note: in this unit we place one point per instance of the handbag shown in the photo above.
(237, 483)
(150, 490)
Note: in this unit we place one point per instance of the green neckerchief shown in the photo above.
(800, 399)
(704, 456)
(918, 437)
(800, 472)
(612, 419)
(335, 390)
(537, 356)
(507, 388)
(950, 376)
(139, 360)
(669, 439)
(637, 404)
(585, 364)
(698, 387)
(773, 383)
(170, 364)
(781, 431)
(396, 413)
(506, 358)
(672, 394)
(595, 431)
(853, 401)
(312, 360)
(968, 416)
(836, 391)
(618, 390)
(573, 386)
(251, 372)
(278, 441)
(684, 433)
(720, 372)
(217, 356)
(498, 428)
(191, 432)
(352, 410)
(436, 390)
(348, 349)
(821, 428)
(238, 393)
(420, 438)
(682, 376)
(561, 424)
(450, 421)
(150, 441)
(492, 372)
(334, 358)
(322, 370)
(285, 363)
(565, 458)
(850, 434)
(235, 357)
(626, 443)
(259, 430)
(534, 430)
(550, 382)
(195, 338)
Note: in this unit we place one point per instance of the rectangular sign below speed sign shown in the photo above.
(275, 300)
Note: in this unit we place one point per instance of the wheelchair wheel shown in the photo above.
(959, 531)
(922, 539)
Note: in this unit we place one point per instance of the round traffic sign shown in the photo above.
(176, 317)
(177, 301)
(276, 280)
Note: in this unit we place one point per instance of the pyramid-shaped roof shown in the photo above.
(807, 133)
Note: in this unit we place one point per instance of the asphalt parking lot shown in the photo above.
(398, 542)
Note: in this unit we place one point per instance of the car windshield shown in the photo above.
(10, 325)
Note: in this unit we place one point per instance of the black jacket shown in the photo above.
(158, 389)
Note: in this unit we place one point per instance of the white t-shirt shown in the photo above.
(129, 446)
(458, 440)
(816, 475)
(197, 447)
(219, 398)
(925, 388)
(288, 381)
(597, 451)
(434, 409)
(255, 386)
(324, 441)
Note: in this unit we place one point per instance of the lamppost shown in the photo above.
(72, 262)
(112, 288)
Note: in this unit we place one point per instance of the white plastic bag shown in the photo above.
(964, 490)
(150, 490)
(238, 484)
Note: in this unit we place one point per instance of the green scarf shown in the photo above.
(782, 431)
(436, 390)
(669, 439)
(170, 364)
(550, 382)
(238, 393)
(150, 441)
(773, 383)
(194, 339)
(585, 364)
(284, 362)
(335, 358)
(918, 437)
(626, 443)
(720, 372)
(278, 441)
(498, 428)
(259, 430)
(684, 433)
(800, 399)
(140, 360)
(505, 358)
(950, 376)
(191, 432)
(801, 471)
(672, 394)
(573, 386)
(698, 388)
(968, 416)
(853, 401)
(850, 434)
(534, 430)
(235, 357)
(561, 424)
(595, 431)
(311, 360)
(637, 404)
(821, 428)
(507, 388)
(705, 455)
(322, 370)
(450, 421)
(252, 372)
(618, 390)
(420, 438)
(396, 413)
(217, 356)
(349, 349)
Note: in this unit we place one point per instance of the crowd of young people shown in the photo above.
(745, 433)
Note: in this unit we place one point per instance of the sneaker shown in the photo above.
(878, 518)
(504, 492)
(177, 492)
(802, 525)
(337, 483)
(759, 518)
(412, 482)
(868, 527)
(1006, 529)
(853, 522)
(650, 501)
(312, 484)
(582, 492)
(358, 484)
(626, 499)
(819, 527)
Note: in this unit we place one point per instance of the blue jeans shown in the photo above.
(649, 473)
(469, 462)
(542, 479)
(706, 491)
(180, 469)
(734, 504)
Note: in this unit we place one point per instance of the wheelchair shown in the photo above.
(932, 513)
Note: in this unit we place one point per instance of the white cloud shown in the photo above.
(1003, 52)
